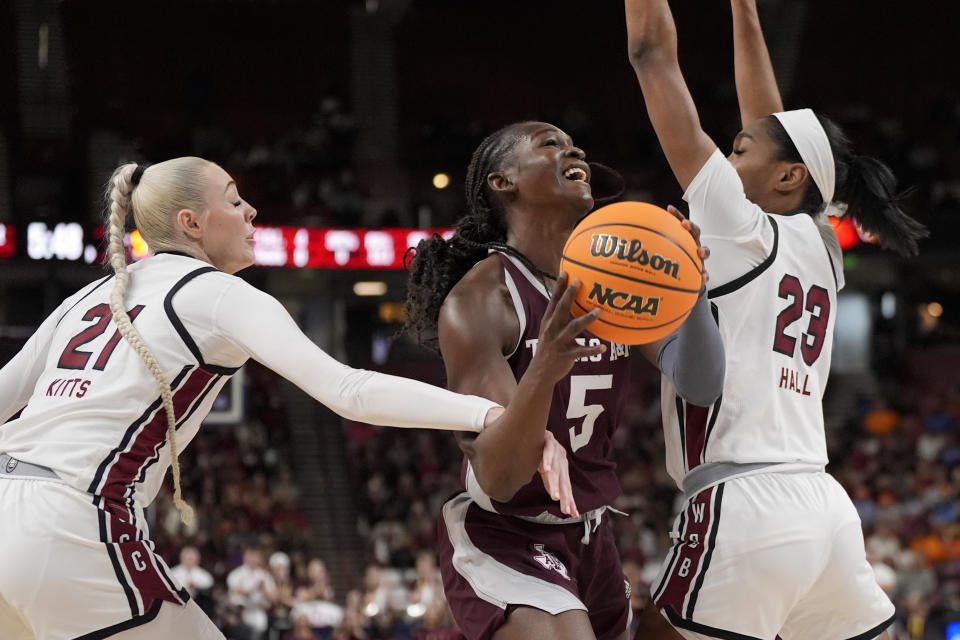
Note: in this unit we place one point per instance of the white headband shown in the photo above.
(811, 141)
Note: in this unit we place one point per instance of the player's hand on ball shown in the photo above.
(557, 348)
(702, 251)
(555, 472)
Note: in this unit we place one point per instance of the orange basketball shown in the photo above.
(639, 265)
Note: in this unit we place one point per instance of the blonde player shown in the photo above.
(768, 543)
(92, 445)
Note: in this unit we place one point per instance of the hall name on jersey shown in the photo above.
(790, 379)
(614, 349)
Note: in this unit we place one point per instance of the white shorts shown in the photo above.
(74, 571)
(767, 555)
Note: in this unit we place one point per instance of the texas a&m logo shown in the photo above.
(549, 561)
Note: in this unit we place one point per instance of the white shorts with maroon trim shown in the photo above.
(71, 570)
(767, 555)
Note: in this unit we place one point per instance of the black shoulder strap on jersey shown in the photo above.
(733, 285)
(182, 330)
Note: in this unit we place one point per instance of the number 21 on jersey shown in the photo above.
(73, 357)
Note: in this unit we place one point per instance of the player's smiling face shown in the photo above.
(545, 167)
(227, 236)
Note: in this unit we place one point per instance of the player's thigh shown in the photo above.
(527, 623)
(846, 602)
(12, 626)
(744, 553)
(174, 622)
(653, 625)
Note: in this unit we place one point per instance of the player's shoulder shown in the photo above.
(481, 284)
(480, 303)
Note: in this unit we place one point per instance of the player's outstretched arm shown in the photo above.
(652, 48)
(757, 88)
(476, 328)
(262, 329)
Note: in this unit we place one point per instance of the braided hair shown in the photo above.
(153, 197)
(864, 184)
(439, 264)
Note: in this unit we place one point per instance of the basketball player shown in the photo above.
(515, 565)
(768, 543)
(91, 448)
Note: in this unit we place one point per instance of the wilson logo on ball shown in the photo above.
(623, 301)
(605, 245)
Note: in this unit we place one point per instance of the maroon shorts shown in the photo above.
(491, 563)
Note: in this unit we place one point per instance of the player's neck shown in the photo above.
(544, 250)
(540, 236)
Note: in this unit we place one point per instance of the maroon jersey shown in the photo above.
(584, 412)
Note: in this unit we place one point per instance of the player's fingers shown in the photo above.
(558, 288)
(566, 490)
(566, 300)
(692, 228)
(577, 325)
(550, 474)
(676, 212)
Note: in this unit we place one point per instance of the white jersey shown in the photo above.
(93, 412)
(773, 290)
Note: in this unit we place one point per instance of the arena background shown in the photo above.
(335, 116)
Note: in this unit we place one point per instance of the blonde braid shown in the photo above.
(120, 195)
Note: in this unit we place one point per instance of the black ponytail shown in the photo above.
(865, 185)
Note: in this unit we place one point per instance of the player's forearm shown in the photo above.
(694, 360)
(757, 88)
(651, 33)
(505, 456)
(377, 398)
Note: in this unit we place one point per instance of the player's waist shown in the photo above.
(10, 466)
(714, 473)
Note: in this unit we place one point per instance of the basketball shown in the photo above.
(639, 266)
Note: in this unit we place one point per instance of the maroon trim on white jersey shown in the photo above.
(692, 551)
(140, 573)
(118, 471)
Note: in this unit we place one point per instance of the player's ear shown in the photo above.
(188, 221)
(501, 182)
(793, 176)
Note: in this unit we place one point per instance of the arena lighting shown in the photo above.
(846, 232)
(369, 288)
(416, 610)
(935, 309)
(441, 181)
(888, 305)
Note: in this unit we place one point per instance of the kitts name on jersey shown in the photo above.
(614, 351)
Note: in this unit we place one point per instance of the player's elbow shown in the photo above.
(651, 51)
(502, 483)
(706, 387)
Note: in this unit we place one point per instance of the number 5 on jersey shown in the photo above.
(75, 358)
(577, 408)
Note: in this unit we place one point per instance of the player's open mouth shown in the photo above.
(575, 174)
